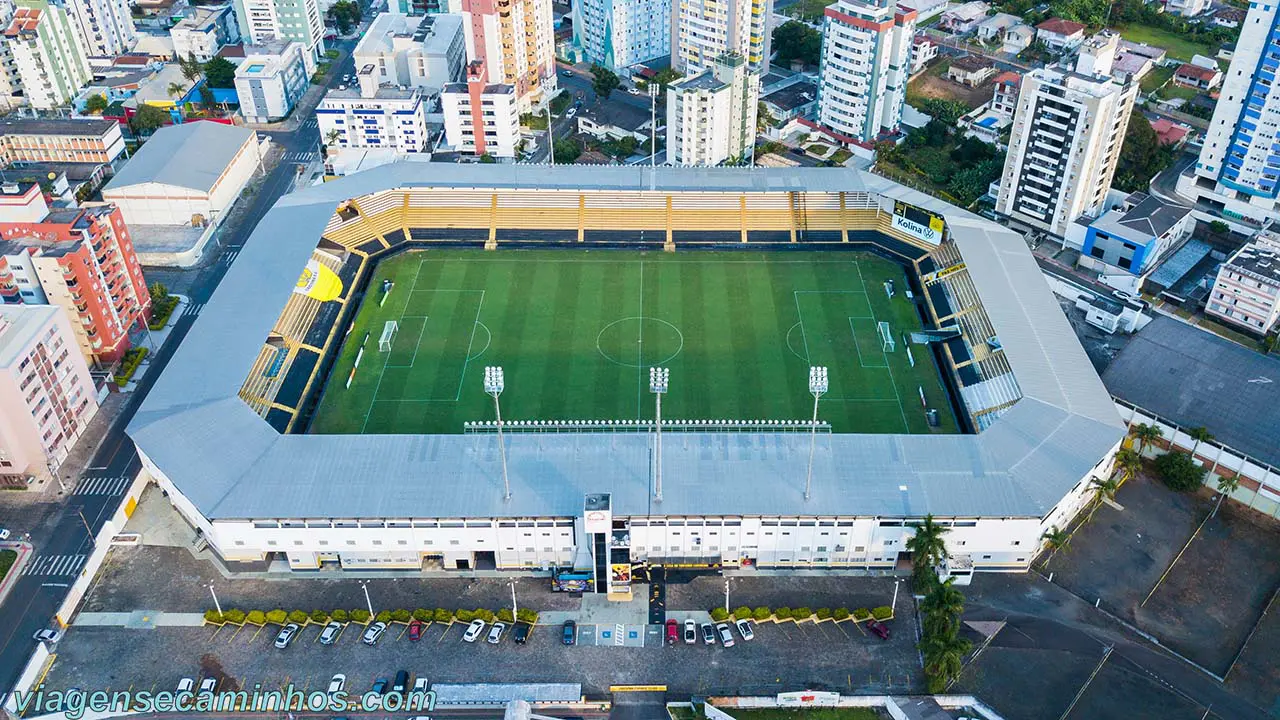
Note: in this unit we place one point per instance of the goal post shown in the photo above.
(389, 331)
(886, 336)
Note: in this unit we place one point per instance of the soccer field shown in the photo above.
(576, 332)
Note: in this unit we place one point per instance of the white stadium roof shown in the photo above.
(231, 464)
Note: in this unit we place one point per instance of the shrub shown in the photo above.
(129, 365)
(782, 613)
(719, 614)
(761, 613)
(861, 614)
(234, 616)
(422, 615)
(277, 616)
(213, 616)
(884, 612)
(401, 616)
(319, 616)
(1180, 471)
(298, 616)
(485, 615)
(840, 613)
(742, 612)
(506, 616)
(801, 613)
(823, 613)
(443, 616)
(527, 616)
(383, 617)
(464, 616)
(340, 615)
(257, 617)
(360, 615)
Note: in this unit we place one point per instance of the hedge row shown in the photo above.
(132, 359)
(161, 309)
(360, 615)
(802, 613)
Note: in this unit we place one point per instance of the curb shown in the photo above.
(11, 579)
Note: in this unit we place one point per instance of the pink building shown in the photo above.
(46, 395)
(1247, 290)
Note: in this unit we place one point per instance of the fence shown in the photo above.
(577, 426)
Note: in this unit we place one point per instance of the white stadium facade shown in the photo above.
(225, 438)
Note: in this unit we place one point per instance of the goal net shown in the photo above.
(388, 335)
(886, 337)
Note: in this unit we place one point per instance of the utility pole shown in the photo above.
(364, 585)
(551, 137)
(515, 609)
(216, 604)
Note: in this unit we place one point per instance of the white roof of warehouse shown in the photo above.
(191, 155)
(231, 464)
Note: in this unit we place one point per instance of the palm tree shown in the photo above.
(942, 608)
(1199, 434)
(927, 545)
(176, 89)
(943, 659)
(190, 67)
(1128, 463)
(1145, 435)
(1105, 488)
(1055, 538)
(1228, 485)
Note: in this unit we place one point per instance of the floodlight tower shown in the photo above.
(659, 378)
(494, 383)
(818, 385)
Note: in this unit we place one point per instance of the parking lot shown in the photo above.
(1209, 599)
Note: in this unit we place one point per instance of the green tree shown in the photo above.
(928, 549)
(604, 81)
(442, 616)
(360, 615)
(946, 112)
(423, 615)
(1055, 538)
(1105, 488)
(942, 608)
(219, 72)
(345, 15)
(1128, 463)
(794, 40)
(487, 159)
(277, 616)
(1145, 434)
(1200, 435)
(256, 617)
(567, 150)
(665, 77)
(96, 104)
(206, 97)
(177, 89)
(1228, 484)
(943, 659)
(213, 617)
(1180, 471)
(148, 119)
(1142, 156)
(401, 616)
(1217, 227)
(191, 68)
(383, 616)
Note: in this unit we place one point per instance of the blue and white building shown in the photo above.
(1238, 172)
(620, 33)
(372, 115)
(271, 80)
(1132, 239)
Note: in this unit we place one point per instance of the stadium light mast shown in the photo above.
(494, 383)
(653, 88)
(659, 379)
(818, 385)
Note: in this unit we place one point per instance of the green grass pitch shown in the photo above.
(576, 331)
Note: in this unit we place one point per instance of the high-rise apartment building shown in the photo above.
(374, 115)
(1065, 139)
(515, 41)
(262, 21)
(47, 53)
(703, 30)
(416, 52)
(39, 140)
(620, 33)
(1238, 172)
(80, 259)
(46, 394)
(10, 82)
(481, 118)
(1246, 292)
(105, 27)
(203, 32)
(711, 116)
(866, 62)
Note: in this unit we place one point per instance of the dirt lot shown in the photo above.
(933, 83)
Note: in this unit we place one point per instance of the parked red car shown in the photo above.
(415, 630)
(673, 632)
(880, 629)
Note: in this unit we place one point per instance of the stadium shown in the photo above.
(460, 366)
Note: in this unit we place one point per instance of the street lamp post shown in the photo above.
(551, 137)
(494, 383)
(654, 88)
(659, 379)
(364, 585)
(515, 609)
(726, 594)
(818, 384)
(216, 604)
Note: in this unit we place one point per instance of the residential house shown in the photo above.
(1017, 38)
(971, 70)
(993, 28)
(964, 18)
(1005, 99)
(1187, 8)
(1197, 77)
(923, 50)
(1169, 132)
(1060, 35)
(1133, 238)
(613, 119)
(798, 100)
(1228, 17)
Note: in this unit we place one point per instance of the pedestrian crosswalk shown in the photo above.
(193, 309)
(310, 123)
(101, 486)
(54, 565)
(298, 156)
(229, 256)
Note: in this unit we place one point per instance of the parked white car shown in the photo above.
(374, 632)
(473, 631)
(495, 633)
(744, 629)
(336, 684)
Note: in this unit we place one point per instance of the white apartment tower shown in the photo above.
(620, 33)
(51, 66)
(866, 62)
(262, 21)
(515, 41)
(481, 118)
(426, 52)
(1065, 139)
(1238, 173)
(711, 117)
(105, 27)
(703, 30)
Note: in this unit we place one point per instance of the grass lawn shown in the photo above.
(1173, 92)
(1156, 78)
(845, 713)
(1175, 45)
(576, 332)
(7, 559)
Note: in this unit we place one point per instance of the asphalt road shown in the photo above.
(36, 597)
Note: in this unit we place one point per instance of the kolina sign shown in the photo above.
(918, 223)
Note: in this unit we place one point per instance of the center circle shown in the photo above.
(639, 342)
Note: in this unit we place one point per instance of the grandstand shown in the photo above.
(1036, 422)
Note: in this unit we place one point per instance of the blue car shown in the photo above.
(380, 686)
(570, 632)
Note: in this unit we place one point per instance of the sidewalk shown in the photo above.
(155, 341)
(139, 619)
(15, 571)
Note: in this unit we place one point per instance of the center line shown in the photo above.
(640, 348)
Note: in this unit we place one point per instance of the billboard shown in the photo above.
(318, 282)
(808, 698)
(918, 222)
